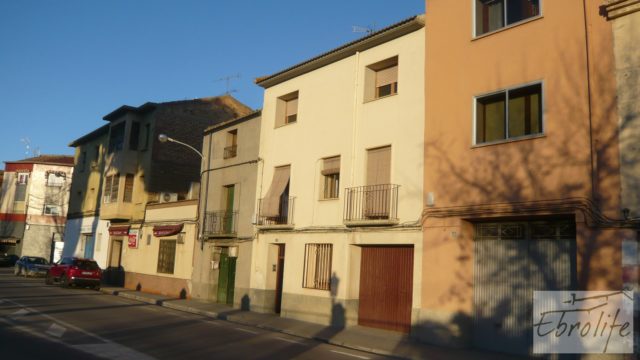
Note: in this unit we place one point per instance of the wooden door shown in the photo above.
(386, 287)
(228, 214)
(116, 254)
(279, 278)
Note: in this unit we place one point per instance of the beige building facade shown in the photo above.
(222, 261)
(340, 184)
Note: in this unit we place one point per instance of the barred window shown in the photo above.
(166, 256)
(317, 266)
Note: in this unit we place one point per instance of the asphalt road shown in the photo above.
(47, 322)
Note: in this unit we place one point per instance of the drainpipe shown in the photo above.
(355, 119)
(589, 103)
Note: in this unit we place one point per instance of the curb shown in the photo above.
(217, 316)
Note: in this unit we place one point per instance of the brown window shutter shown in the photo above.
(292, 107)
(387, 76)
(331, 166)
(379, 166)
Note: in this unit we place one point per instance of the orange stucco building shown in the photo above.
(522, 173)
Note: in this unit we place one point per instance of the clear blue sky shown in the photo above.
(64, 64)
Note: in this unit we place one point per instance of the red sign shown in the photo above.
(167, 230)
(133, 240)
(119, 230)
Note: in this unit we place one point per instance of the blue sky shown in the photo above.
(64, 64)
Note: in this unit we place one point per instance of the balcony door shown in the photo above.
(229, 194)
(377, 192)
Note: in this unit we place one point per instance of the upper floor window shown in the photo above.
(331, 176)
(287, 109)
(111, 184)
(134, 138)
(492, 15)
(510, 113)
(22, 179)
(82, 162)
(381, 79)
(231, 148)
(55, 179)
(116, 137)
(128, 188)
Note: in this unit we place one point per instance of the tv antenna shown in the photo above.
(35, 151)
(227, 80)
(368, 30)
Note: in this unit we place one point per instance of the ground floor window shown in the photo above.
(166, 256)
(317, 266)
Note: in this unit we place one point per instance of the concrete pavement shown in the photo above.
(371, 340)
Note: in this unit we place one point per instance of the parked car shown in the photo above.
(73, 271)
(31, 266)
(8, 260)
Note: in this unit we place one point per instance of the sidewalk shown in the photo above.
(356, 337)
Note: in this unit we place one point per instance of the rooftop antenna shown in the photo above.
(34, 151)
(368, 30)
(227, 80)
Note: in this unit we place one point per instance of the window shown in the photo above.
(116, 137)
(381, 79)
(509, 114)
(52, 210)
(492, 15)
(275, 204)
(82, 162)
(134, 137)
(55, 179)
(331, 177)
(111, 184)
(317, 266)
(147, 136)
(22, 180)
(231, 150)
(166, 256)
(287, 109)
(96, 157)
(128, 188)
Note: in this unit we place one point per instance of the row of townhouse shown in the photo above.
(426, 178)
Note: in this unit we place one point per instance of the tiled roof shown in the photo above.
(92, 135)
(47, 159)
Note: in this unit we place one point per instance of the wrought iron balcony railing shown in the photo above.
(284, 216)
(230, 151)
(220, 223)
(372, 203)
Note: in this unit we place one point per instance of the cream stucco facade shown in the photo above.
(336, 116)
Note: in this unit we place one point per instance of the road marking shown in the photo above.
(20, 312)
(291, 341)
(112, 351)
(347, 354)
(247, 331)
(56, 330)
(109, 347)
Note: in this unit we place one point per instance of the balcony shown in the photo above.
(220, 224)
(372, 205)
(230, 151)
(284, 219)
(116, 210)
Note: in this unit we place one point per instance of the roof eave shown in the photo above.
(393, 32)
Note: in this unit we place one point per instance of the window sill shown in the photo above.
(379, 98)
(329, 199)
(283, 125)
(511, 26)
(511, 140)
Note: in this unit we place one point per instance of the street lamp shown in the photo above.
(164, 138)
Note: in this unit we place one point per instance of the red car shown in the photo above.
(75, 271)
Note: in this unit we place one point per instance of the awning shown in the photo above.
(9, 241)
(119, 230)
(167, 230)
(270, 206)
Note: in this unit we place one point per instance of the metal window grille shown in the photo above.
(317, 266)
(166, 256)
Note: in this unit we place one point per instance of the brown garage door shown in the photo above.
(386, 284)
